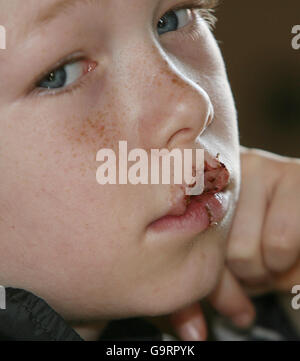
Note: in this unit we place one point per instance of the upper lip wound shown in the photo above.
(216, 179)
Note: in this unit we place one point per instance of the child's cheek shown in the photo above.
(87, 128)
(85, 137)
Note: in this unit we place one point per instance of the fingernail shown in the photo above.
(191, 331)
(243, 320)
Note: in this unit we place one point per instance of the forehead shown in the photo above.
(25, 16)
(11, 9)
(15, 14)
(21, 17)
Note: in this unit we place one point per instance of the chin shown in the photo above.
(199, 276)
(192, 283)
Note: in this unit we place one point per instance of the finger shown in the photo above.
(281, 235)
(286, 281)
(244, 253)
(230, 300)
(189, 323)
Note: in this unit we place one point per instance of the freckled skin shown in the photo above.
(97, 131)
(85, 248)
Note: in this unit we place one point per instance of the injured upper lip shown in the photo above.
(216, 179)
(216, 176)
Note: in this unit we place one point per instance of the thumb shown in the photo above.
(230, 300)
(189, 323)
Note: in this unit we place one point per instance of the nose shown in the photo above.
(170, 109)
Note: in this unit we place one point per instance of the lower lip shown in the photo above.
(202, 212)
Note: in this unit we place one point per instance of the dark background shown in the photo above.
(264, 70)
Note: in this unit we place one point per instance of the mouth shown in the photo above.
(194, 214)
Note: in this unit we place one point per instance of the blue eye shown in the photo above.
(55, 79)
(173, 20)
(63, 76)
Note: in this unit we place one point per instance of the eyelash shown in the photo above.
(204, 8)
(71, 89)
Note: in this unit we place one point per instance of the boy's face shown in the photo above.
(90, 250)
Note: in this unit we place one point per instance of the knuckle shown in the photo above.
(246, 263)
(278, 243)
(280, 252)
